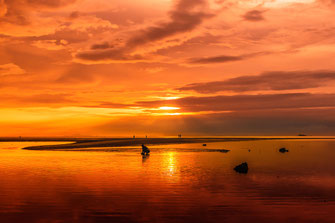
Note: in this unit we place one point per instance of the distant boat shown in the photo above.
(302, 134)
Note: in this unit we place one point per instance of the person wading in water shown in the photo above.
(145, 150)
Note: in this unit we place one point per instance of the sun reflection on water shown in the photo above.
(171, 163)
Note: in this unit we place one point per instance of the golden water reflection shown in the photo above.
(176, 183)
(171, 163)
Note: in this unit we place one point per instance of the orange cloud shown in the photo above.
(10, 69)
(110, 66)
(186, 16)
(18, 11)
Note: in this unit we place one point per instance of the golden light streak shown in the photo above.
(171, 163)
(169, 98)
(280, 3)
(168, 108)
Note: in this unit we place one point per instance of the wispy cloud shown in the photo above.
(224, 58)
(276, 80)
(254, 16)
(215, 59)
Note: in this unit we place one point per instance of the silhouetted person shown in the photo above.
(145, 150)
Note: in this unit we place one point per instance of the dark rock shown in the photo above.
(283, 150)
(204, 144)
(242, 168)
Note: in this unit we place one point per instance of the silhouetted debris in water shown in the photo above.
(242, 168)
(204, 144)
(283, 150)
(249, 150)
(224, 150)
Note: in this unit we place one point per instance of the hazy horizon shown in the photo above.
(171, 136)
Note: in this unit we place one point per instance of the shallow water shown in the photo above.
(176, 183)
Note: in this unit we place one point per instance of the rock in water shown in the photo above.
(283, 150)
(242, 168)
(204, 144)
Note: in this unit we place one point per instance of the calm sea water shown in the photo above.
(176, 183)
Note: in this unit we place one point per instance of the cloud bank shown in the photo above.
(276, 80)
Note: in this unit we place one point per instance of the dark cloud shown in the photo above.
(101, 46)
(216, 59)
(112, 54)
(224, 58)
(279, 80)
(44, 3)
(254, 16)
(265, 122)
(74, 15)
(246, 102)
(273, 122)
(186, 16)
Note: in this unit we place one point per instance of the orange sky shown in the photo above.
(164, 67)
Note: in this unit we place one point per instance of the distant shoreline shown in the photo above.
(76, 143)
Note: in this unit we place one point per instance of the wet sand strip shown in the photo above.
(88, 143)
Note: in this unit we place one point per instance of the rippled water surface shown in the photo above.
(176, 183)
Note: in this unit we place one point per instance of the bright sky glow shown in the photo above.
(201, 67)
